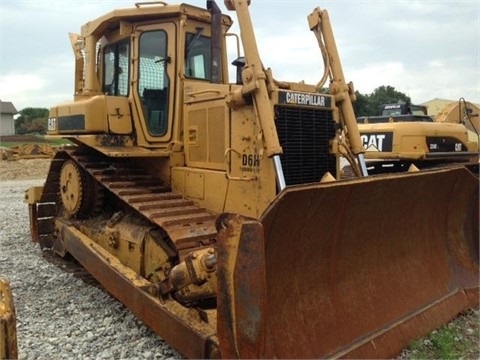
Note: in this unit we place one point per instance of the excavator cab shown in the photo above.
(216, 212)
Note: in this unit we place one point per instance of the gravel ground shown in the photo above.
(59, 316)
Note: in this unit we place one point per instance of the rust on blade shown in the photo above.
(241, 291)
(413, 326)
(33, 217)
(363, 267)
(249, 290)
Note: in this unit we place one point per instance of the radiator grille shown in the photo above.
(304, 135)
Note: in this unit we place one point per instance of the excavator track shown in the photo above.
(188, 226)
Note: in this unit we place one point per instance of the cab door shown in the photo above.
(153, 82)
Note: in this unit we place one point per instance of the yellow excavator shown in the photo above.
(461, 112)
(404, 134)
(215, 211)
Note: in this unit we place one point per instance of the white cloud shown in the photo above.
(49, 84)
(20, 87)
(30, 90)
(367, 78)
(426, 49)
(293, 54)
(17, 83)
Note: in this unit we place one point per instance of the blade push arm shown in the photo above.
(319, 23)
(254, 77)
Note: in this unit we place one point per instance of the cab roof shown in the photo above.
(147, 12)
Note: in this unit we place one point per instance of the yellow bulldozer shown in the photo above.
(215, 210)
(404, 134)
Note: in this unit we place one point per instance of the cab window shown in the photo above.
(153, 82)
(197, 56)
(116, 69)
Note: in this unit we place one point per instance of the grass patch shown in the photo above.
(456, 340)
(18, 140)
(444, 344)
(440, 344)
(58, 142)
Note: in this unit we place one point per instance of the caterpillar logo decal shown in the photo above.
(307, 99)
(381, 142)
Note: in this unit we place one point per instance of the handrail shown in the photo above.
(150, 3)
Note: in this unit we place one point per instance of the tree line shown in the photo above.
(369, 104)
(34, 120)
(31, 121)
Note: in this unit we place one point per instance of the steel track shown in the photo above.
(188, 226)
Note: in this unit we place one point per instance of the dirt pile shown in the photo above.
(24, 169)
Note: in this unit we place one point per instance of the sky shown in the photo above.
(425, 49)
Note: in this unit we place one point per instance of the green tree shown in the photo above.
(32, 121)
(361, 105)
(368, 105)
(387, 95)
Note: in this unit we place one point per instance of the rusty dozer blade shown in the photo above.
(352, 269)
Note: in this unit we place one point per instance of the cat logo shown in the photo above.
(380, 142)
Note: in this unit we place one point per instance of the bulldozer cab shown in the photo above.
(166, 57)
(144, 55)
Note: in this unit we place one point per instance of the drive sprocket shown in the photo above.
(80, 195)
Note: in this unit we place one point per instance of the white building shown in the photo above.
(7, 111)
